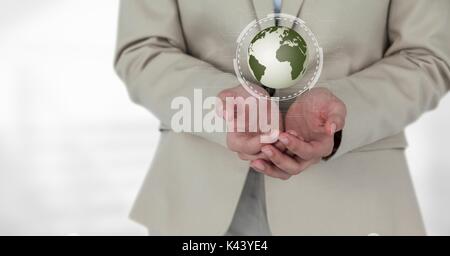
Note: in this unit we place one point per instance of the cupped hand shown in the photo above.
(244, 135)
(311, 122)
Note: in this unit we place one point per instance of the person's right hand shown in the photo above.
(242, 137)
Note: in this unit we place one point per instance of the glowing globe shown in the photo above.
(277, 57)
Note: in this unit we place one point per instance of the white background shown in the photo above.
(74, 150)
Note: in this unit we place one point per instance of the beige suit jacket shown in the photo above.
(388, 60)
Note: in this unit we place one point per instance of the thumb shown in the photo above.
(335, 123)
(336, 117)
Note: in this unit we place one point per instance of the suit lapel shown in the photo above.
(264, 7)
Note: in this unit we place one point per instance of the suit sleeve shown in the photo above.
(152, 61)
(410, 80)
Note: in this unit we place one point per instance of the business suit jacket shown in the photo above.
(388, 60)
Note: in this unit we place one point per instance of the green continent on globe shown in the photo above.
(258, 69)
(262, 33)
(277, 56)
(295, 59)
(295, 55)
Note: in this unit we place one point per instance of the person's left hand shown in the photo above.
(311, 123)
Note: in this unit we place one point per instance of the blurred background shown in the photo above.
(74, 150)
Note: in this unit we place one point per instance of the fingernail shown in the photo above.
(258, 166)
(268, 152)
(291, 132)
(284, 140)
(333, 128)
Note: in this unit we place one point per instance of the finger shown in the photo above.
(245, 115)
(270, 137)
(305, 164)
(221, 106)
(299, 147)
(335, 122)
(324, 147)
(280, 146)
(336, 115)
(243, 143)
(275, 172)
(295, 134)
(269, 169)
(247, 157)
(281, 160)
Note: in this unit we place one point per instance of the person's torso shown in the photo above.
(352, 33)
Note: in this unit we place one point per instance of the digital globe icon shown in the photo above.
(278, 57)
